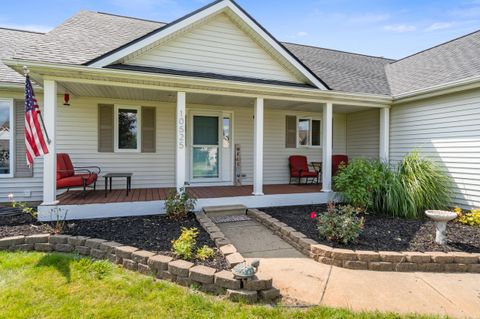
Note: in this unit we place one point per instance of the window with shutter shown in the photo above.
(291, 131)
(148, 129)
(21, 167)
(105, 127)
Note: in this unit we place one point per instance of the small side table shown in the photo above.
(317, 166)
(108, 178)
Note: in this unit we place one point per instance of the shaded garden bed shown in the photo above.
(384, 233)
(153, 233)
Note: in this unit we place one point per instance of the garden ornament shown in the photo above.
(244, 271)
(441, 218)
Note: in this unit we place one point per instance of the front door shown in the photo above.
(210, 158)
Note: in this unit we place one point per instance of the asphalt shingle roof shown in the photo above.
(454, 60)
(13, 40)
(89, 35)
(344, 71)
(86, 36)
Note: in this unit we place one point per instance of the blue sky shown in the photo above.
(390, 28)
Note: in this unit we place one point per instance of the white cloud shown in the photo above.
(400, 28)
(301, 34)
(28, 27)
(439, 26)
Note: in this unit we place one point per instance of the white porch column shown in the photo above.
(180, 161)
(384, 134)
(258, 148)
(327, 147)
(50, 159)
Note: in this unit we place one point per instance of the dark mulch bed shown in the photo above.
(385, 233)
(153, 233)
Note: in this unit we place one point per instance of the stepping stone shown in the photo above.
(229, 210)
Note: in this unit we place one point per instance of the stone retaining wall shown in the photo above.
(371, 260)
(162, 267)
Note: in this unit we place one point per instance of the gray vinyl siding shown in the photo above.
(276, 154)
(77, 135)
(216, 46)
(447, 129)
(363, 134)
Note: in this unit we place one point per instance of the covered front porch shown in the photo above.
(151, 201)
(252, 161)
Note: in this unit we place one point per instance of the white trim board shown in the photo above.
(91, 211)
(186, 22)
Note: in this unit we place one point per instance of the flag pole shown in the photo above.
(26, 72)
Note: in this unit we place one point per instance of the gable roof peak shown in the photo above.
(157, 35)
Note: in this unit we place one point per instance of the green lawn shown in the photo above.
(37, 285)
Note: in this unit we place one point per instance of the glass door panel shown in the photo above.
(205, 148)
(5, 138)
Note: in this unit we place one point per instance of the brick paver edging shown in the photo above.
(371, 260)
(149, 263)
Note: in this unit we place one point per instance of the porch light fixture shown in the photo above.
(66, 99)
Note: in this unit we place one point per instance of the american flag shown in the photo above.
(34, 141)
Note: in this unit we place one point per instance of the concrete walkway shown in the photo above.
(311, 283)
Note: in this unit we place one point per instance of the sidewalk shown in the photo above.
(311, 283)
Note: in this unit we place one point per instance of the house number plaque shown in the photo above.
(181, 130)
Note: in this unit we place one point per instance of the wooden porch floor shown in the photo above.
(155, 194)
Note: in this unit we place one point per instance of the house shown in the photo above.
(215, 103)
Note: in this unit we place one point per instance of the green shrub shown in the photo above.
(340, 224)
(416, 185)
(357, 182)
(390, 197)
(205, 253)
(184, 246)
(427, 184)
(178, 204)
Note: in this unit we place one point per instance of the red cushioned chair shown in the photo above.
(299, 169)
(69, 176)
(338, 160)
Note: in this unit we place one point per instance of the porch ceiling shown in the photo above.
(141, 94)
(117, 92)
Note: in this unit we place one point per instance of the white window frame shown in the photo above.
(311, 131)
(12, 138)
(139, 128)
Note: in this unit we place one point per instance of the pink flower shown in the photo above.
(313, 215)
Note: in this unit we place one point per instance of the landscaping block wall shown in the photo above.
(371, 260)
(145, 262)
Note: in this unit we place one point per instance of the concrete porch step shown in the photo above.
(228, 210)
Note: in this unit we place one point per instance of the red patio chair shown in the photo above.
(69, 176)
(337, 160)
(299, 169)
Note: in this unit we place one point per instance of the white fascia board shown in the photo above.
(216, 8)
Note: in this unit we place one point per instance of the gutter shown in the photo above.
(441, 89)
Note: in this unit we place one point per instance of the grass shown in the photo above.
(38, 285)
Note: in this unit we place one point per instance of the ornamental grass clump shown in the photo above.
(340, 224)
(426, 183)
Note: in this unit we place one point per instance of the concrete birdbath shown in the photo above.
(441, 218)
